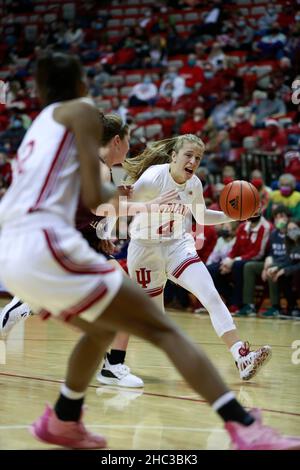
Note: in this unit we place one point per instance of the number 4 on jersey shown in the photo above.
(166, 229)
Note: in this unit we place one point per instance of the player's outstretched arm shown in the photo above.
(204, 216)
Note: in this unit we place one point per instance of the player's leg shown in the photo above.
(252, 270)
(143, 319)
(146, 267)
(11, 314)
(195, 277)
(114, 371)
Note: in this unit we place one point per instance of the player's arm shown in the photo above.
(204, 216)
(145, 197)
(83, 120)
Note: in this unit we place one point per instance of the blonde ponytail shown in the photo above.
(156, 153)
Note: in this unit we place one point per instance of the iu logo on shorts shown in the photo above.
(143, 277)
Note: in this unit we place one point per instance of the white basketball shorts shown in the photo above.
(57, 273)
(152, 264)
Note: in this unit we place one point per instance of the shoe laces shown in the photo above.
(122, 369)
(245, 349)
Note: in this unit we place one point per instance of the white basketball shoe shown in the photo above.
(249, 362)
(118, 374)
(12, 314)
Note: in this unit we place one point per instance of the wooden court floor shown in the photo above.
(167, 414)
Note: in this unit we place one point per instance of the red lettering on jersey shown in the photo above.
(23, 154)
(166, 229)
(143, 277)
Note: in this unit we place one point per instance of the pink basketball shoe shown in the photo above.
(259, 437)
(48, 428)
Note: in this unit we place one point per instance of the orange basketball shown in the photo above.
(239, 200)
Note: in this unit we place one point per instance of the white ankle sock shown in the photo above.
(223, 400)
(235, 349)
(68, 393)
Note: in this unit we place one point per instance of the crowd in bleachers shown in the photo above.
(223, 70)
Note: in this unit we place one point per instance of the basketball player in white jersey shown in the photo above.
(113, 149)
(46, 262)
(160, 247)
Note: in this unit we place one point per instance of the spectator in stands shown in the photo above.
(218, 149)
(240, 126)
(195, 124)
(292, 164)
(73, 36)
(219, 116)
(294, 128)
(271, 46)
(244, 34)
(250, 244)
(200, 53)
(285, 195)
(265, 106)
(254, 269)
(205, 237)
(228, 174)
(268, 19)
(144, 94)
(192, 74)
(217, 58)
(212, 87)
(120, 108)
(226, 239)
(212, 23)
(173, 85)
(101, 77)
(217, 189)
(256, 178)
(273, 138)
(15, 131)
(157, 52)
(286, 271)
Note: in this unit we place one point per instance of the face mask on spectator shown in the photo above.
(294, 234)
(280, 224)
(147, 80)
(172, 75)
(286, 191)
(257, 182)
(208, 74)
(192, 62)
(297, 17)
(241, 23)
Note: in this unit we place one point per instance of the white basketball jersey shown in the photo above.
(172, 221)
(45, 173)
